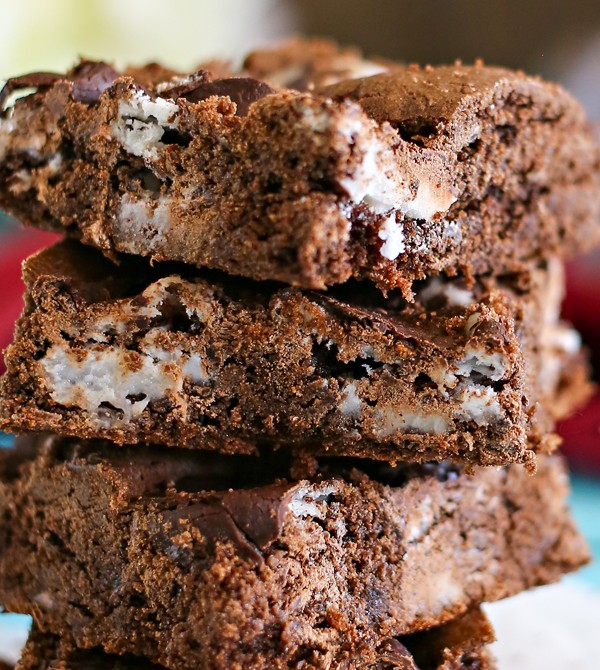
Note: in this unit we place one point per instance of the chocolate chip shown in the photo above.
(90, 80)
(33, 80)
(421, 332)
(249, 519)
(241, 90)
(259, 512)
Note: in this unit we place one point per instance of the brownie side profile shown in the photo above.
(459, 644)
(134, 353)
(401, 175)
(164, 554)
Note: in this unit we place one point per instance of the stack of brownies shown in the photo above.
(288, 386)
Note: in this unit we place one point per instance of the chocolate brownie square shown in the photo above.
(407, 173)
(139, 353)
(197, 560)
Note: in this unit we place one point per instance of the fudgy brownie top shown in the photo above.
(395, 176)
(134, 352)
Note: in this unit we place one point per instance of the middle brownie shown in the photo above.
(137, 353)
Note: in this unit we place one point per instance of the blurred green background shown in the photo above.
(558, 39)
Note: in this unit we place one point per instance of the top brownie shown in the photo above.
(309, 165)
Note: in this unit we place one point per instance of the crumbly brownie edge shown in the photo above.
(459, 644)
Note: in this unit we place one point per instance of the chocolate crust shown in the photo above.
(127, 550)
(136, 353)
(393, 177)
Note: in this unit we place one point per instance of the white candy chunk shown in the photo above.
(392, 234)
(478, 403)
(106, 377)
(194, 370)
(452, 294)
(55, 163)
(286, 76)
(460, 297)
(341, 68)
(351, 404)
(156, 294)
(318, 121)
(31, 143)
(428, 202)
(452, 232)
(124, 380)
(141, 219)
(305, 502)
(566, 339)
(375, 180)
(8, 125)
(370, 183)
(420, 520)
(142, 123)
(190, 365)
(489, 365)
(359, 69)
(402, 420)
(22, 181)
(367, 351)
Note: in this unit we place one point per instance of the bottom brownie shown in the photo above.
(201, 562)
(459, 644)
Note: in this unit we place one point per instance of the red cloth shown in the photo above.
(581, 432)
(16, 245)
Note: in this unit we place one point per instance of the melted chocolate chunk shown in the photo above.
(190, 84)
(381, 319)
(250, 520)
(33, 80)
(241, 90)
(90, 80)
(259, 513)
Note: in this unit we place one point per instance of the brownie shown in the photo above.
(195, 560)
(308, 64)
(136, 353)
(459, 644)
(396, 176)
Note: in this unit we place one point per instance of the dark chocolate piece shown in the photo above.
(241, 90)
(90, 80)
(33, 80)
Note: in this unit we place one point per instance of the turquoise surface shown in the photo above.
(585, 503)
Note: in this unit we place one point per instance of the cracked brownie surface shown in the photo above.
(396, 176)
(136, 353)
(459, 644)
(195, 560)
